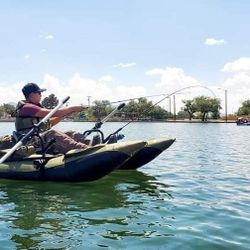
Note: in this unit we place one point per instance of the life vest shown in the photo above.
(24, 123)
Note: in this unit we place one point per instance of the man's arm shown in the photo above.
(42, 112)
(36, 111)
(55, 120)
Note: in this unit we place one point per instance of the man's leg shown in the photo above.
(63, 143)
(77, 136)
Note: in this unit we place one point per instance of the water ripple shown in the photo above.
(193, 196)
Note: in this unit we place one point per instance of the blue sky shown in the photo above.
(113, 49)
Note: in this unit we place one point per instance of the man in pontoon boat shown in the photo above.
(30, 111)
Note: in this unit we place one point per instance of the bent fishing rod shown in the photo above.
(131, 99)
(33, 130)
(165, 97)
(99, 124)
(149, 96)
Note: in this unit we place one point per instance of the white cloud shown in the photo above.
(127, 92)
(238, 89)
(238, 81)
(213, 41)
(46, 37)
(49, 37)
(10, 93)
(172, 78)
(78, 88)
(26, 57)
(239, 65)
(237, 85)
(156, 71)
(169, 80)
(106, 78)
(124, 65)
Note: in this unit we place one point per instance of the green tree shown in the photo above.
(101, 109)
(159, 113)
(215, 107)
(183, 114)
(245, 108)
(144, 109)
(50, 102)
(205, 104)
(190, 108)
(2, 112)
(130, 110)
(9, 109)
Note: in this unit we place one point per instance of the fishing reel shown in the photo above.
(114, 138)
(99, 137)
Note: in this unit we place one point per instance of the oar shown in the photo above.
(33, 130)
(99, 124)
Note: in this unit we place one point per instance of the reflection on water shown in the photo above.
(46, 215)
(193, 196)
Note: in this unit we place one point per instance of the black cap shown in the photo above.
(31, 88)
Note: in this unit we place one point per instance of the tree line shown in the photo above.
(201, 107)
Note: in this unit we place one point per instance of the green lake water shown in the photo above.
(195, 195)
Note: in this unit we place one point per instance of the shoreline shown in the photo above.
(154, 121)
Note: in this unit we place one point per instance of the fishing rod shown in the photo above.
(165, 97)
(131, 99)
(98, 125)
(149, 96)
(33, 130)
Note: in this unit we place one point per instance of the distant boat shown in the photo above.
(243, 121)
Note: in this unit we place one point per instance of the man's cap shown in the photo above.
(31, 88)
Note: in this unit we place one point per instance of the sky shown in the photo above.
(116, 50)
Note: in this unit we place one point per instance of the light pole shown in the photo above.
(226, 104)
(169, 105)
(225, 97)
(89, 100)
(174, 107)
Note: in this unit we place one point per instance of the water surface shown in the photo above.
(193, 196)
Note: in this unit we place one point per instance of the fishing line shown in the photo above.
(166, 96)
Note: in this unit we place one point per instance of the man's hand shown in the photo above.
(79, 108)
